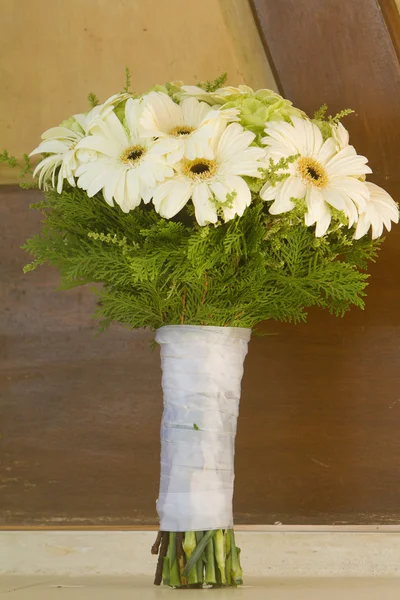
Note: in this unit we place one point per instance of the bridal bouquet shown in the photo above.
(203, 210)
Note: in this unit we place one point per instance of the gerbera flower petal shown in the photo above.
(220, 95)
(53, 146)
(340, 136)
(326, 152)
(347, 161)
(220, 189)
(241, 197)
(323, 223)
(133, 111)
(110, 185)
(60, 143)
(357, 190)
(363, 225)
(160, 114)
(335, 198)
(284, 137)
(121, 191)
(170, 197)
(205, 210)
(269, 191)
(97, 182)
(309, 136)
(197, 92)
(164, 146)
(116, 130)
(351, 212)
(316, 205)
(98, 143)
(318, 212)
(379, 212)
(194, 113)
(234, 139)
(292, 187)
(133, 189)
(62, 133)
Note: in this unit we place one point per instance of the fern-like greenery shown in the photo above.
(156, 271)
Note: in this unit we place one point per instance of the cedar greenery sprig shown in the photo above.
(212, 86)
(273, 174)
(93, 100)
(156, 271)
(326, 123)
(25, 168)
(320, 115)
(127, 86)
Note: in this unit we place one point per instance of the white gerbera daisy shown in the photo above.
(321, 174)
(128, 166)
(60, 142)
(220, 95)
(190, 125)
(215, 181)
(380, 210)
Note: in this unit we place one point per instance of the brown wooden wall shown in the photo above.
(318, 438)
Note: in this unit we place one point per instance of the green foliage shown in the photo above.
(320, 114)
(340, 115)
(273, 174)
(212, 86)
(25, 168)
(127, 87)
(7, 159)
(93, 100)
(156, 271)
(325, 123)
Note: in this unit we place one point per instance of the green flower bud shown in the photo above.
(260, 107)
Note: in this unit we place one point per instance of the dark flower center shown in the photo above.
(135, 154)
(200, 168)
(181, 130)
(313, 173)
(131, 155)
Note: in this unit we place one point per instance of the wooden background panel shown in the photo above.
(318, 431)
(80, 415)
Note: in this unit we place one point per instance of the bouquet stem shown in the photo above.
(197, 559)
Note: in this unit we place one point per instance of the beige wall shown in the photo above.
(53, 52)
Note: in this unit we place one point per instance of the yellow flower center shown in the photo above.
(181, 130)
(199, 168)
(311, 171)
(131, 155)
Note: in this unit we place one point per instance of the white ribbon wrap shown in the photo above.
(202, 372)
